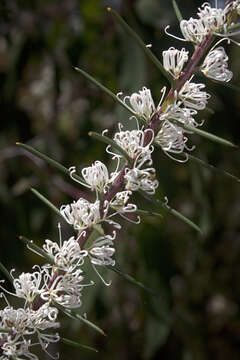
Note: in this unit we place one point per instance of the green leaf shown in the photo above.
(76, 344)
(230, 86)
(6, 272)
(46, 201)
(139, 41)
(177, 11)
(130, 279)
(147, 213)
(76, 316)
(212, 167)
(111, 142)
(205, 134)
(30, 244)
(171, 211)
(51, 162)
(106, 90)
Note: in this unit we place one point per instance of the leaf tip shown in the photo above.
(109, 9)
(20, 237)
(90, 133)
(17, 143)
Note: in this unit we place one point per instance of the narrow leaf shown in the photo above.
(139, 41)
(104, 89)
(6, 272)
(177, 11)
(230, 86)
(171, 211)
(207, 135)
(131, 279)
(46, 201)
(74, 315)
(30, 244)
(111, 142)
(51, 162)
(212, 167)
(76, 344)
(147, 213)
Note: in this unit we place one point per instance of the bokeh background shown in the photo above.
(45, 103)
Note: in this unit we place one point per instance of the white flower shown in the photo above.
(44, 318)
(63, 288)
(212, 18)
(27, 285)
(171, 138)
(142, 103)
(120, 202)
(215, 65)
(192, 95)
(16, 319)
(26, 322)
(66, 257)
(143, 179)
(102, 250)
(194, 30)
(133, 142)
(81, 213)
(13, 349)
(96, 176)
(181, 114)
(174, 60)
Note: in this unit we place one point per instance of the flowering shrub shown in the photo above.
(58, 284)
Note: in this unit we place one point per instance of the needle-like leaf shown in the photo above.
(212, 167)
(46, 201)
(50, 161)
(76, 344)
(177, 11)
(111, 142)
(4, 270)
(130, 279)
(171, 211)
(139, 41)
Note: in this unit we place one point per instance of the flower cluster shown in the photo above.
(23, 325)
(61, 281)
(58, 282)
(210, 20)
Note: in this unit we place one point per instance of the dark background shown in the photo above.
(48, 105)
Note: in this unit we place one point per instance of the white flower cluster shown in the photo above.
(22, 325)
(60, 282)
(210, 20)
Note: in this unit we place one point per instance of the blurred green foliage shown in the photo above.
(45, 103)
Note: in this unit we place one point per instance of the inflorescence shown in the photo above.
(61, 281)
